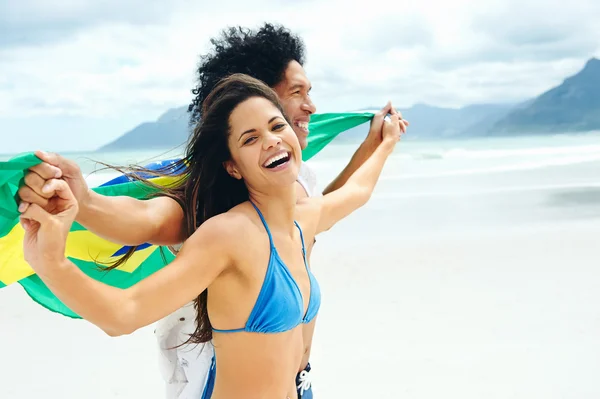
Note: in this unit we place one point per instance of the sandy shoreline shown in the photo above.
(511, 313)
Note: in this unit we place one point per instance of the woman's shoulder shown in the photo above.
(229, 222)
(227, 234)
(235, 225)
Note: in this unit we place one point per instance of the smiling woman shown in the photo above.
(276, 161)
(244, 258)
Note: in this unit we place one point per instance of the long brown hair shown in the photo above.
(204, 187)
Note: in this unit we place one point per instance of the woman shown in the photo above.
(245, 245)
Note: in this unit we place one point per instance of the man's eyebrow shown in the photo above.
(299, 86)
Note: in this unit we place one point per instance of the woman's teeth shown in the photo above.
(271, 161)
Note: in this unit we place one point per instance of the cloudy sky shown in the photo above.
(75, 74)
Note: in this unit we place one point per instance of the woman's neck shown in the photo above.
(277, 207)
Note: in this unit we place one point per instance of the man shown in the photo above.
(276, 56)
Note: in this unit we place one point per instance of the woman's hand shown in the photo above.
(46, 231)
(393, 127)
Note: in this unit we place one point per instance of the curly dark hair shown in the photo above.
(263, 54)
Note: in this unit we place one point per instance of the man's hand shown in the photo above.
(368, 146)
(53, 166)
(374, 136)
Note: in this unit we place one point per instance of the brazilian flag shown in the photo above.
(90, 252)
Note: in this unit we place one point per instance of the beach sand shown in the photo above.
(509, 314)
(501, 314)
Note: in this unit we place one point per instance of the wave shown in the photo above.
(463, 153)
(519, 166)
(496, 190)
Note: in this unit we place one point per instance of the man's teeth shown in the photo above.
(276, 158)
(302, 125)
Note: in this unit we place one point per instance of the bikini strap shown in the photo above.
(264, 222)
(301, 239)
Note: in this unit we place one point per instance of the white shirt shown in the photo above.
(185, 368)
(308, 179)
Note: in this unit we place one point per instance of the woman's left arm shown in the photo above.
(335, 206)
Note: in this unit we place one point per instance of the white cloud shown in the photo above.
(116, 59)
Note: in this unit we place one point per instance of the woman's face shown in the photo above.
(264, 149)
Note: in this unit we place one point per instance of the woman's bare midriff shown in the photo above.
(308, 331)
(257, 366)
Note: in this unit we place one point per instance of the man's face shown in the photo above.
(293, 92)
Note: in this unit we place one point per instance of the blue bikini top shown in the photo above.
(279, 306)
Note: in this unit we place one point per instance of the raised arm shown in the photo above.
(120, 311)
(333, 207)
(123, 220)
(365, 150)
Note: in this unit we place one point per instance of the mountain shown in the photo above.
(171, 129)
(428, 121)
(168, 131)
(573, 106)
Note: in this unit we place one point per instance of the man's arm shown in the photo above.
(129, 221)
(364, 151)
(120, 219)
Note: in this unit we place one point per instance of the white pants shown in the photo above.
(184, 368)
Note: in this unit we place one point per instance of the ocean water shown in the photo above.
(429, 168)
(443, 186)
(432, 187)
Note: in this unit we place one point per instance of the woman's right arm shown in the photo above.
(123, 220)
(203, 257)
